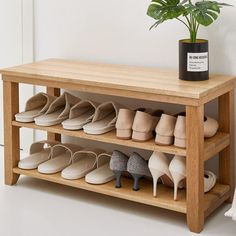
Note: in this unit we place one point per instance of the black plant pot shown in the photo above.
(193, 60)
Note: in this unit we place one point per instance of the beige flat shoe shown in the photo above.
(180, 131)
(124, 123)
(144, 125)
(165, 130)
(210, 128)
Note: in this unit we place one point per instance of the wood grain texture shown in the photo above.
(109, 77)
(11, 133)
(164, 198)
(211, 147)
(195, 167)
(226, 157)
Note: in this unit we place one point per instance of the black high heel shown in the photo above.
(118, 164)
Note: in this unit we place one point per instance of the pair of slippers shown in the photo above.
(72, 161)
(73, 113)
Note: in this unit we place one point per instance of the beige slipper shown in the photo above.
(60, 157)
(104, 119)
(165, 130)
(144, 124)
(35, 106)
(80, 114)
(39, 153)
(82, 163)
(102, 174)
(58, 111)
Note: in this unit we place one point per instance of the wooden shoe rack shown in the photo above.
(139, 83)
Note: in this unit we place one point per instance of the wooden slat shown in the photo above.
(212, 145)
(216, 144)
(11, 133)
(131, 79)
(195, 167)
(144, 195)
(226, 160)
(109, 137)
(215, 198)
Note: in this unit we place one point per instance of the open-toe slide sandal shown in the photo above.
(103, 173)
(39, 153)
(82, 163)
(60, 158)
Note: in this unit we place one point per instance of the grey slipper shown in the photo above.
(118, 164)
(138, 168)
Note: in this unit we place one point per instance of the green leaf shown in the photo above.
(162, 10)
(206, 12)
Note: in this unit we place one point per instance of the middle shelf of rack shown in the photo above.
(212, 145)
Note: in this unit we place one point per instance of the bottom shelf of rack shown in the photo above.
(164, 199)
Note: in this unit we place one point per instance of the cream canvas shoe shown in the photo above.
(144, 125)
(165, 130)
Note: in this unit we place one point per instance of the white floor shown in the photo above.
(38, 208)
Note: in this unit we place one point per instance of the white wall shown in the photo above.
(16, 47)
(117, 31)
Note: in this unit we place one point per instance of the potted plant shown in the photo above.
(193, 52)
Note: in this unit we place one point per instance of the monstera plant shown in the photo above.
(192, 15)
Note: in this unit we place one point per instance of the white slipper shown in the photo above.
(58, 111)
(39, 153)
(104, 119)
(60, 158)
(103, 173)
(83, 162)
(209, 180)
(35, 106)
(80, 114)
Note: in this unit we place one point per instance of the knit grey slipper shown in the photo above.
(138, 168)
(118, 164)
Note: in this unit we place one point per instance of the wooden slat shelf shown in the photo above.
(212, 145)
(144, 195)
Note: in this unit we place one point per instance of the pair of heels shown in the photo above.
(171, 173)
(135, 165)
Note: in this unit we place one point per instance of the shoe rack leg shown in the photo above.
(195, 167)
(11, 133)
(54, 92)
(226, 157)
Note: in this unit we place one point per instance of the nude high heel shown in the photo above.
(159, 167)
(177, 169)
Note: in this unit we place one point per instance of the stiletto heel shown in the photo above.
(118, 164)
(118, 176)
(159, 166)
(178, 172)
(155, 175)
(138, 168)
(136, 178)
(176, 178)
